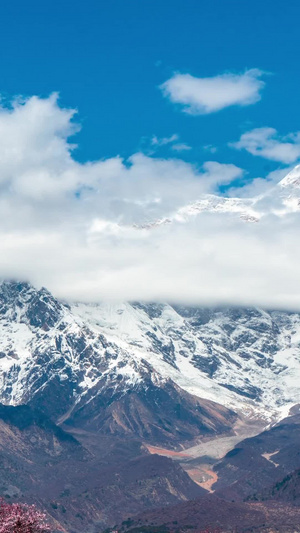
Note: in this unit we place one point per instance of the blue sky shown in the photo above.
(108, 58)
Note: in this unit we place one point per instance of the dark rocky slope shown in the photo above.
(259, 462)
(100, 481)
(213, 515)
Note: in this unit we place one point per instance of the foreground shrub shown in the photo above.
(21, 518)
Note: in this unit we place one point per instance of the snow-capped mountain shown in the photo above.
(245, 359)
(290, 190)
(100, 366)
(285, 198)
(68, 363)
(292, 179)
(209, 203)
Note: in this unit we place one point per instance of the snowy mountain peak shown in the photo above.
(292, 179)
(209, 203)
(22, 303)
(284, 196)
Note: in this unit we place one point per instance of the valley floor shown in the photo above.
(198, 460)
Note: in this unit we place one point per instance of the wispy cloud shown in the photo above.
(158, 142)
(267, 143)
(181, 147)
(210, 148)
(207, 95)
(163, 141)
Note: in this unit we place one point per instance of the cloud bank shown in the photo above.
(79, 229)
(207, 95)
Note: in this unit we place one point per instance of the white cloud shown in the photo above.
(71, 226)
(181, 147)
(265, 142)
(207, 95)
(259, 186)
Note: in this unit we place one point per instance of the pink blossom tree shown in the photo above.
(22, 518)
